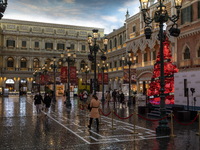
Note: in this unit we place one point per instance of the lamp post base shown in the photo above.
(163, 128)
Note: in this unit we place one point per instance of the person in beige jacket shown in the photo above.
(94, 113)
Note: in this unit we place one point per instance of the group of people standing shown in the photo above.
(39, 102)
(115, 96)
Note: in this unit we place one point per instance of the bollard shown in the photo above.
(172, 126)
(112, 120)
(199, 124)
(134, 124)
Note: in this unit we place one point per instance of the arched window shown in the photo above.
(82, 65)
(23, 62)
(154, 55)
(110, 44)
(120, 40)
(115, 42)
(36, 63)
(186, 53)
(10, 62)
(48, 63)
(198, 52)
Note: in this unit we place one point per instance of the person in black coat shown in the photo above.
(38, 101)
(47, 102)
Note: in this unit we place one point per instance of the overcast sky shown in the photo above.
(107, 14)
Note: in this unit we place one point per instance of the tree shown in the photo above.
(169, 70)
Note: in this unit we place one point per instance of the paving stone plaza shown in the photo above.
(66, 129)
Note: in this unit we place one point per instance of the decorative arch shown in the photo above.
(36, 63)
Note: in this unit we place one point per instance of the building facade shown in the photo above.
(185, 49)
(26, 46)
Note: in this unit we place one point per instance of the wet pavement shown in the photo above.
(66, 129)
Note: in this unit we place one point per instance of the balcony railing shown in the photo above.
(185, 63)
(132, 35)
(196, 61)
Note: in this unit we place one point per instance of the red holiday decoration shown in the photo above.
(169, 70)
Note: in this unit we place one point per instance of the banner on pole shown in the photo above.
(132, 75)
(101, 79)
(73, 76)
(63, 75)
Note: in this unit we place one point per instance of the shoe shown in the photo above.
(89, 126)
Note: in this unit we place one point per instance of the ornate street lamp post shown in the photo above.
(3, 5)
(86, 70)
(36, 75)
(70, 59)
(104, 66)
(129, 60)
(161, 16)
(54, 66)
(94, 48)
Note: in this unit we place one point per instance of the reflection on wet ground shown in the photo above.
(66, 128)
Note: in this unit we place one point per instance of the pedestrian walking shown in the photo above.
(47, 102)
(94, 113)
(122, 98)
(38, 102)
(114, 96)
(108, 97)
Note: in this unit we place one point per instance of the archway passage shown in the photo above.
(10, 84)
(23, 87)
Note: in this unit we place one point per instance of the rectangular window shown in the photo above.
(198, 9)
(23, 64)
(48, 45)
(83, 48)
(60, 46)
(72, 46)
(134, 28)
(10, 64)
(23, 44)
(115, 64)
(10, 43)
(37, 45)
(110, 64)
(120, 63)
(186, 15)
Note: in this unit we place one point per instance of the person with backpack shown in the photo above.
(38, 102)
